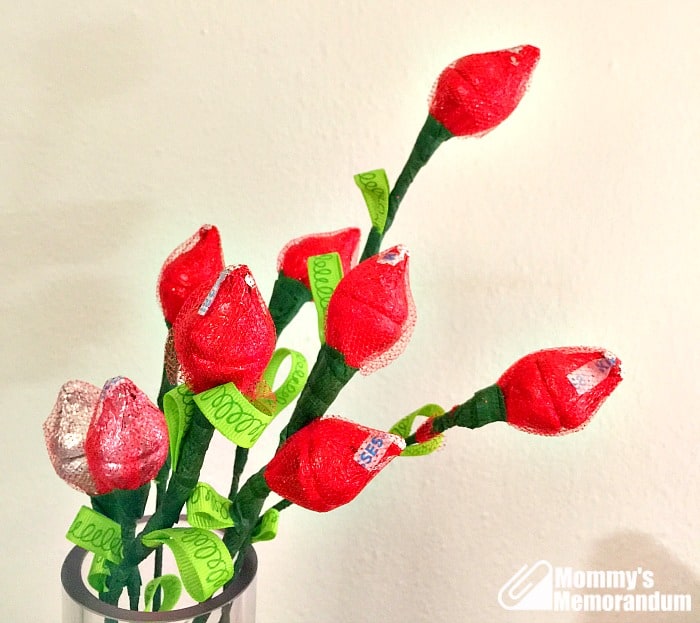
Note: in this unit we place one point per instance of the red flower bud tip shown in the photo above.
(425, 431)
(65, 430)
(558, 390)
(328, 462)
(127, 441)
(293, 259)
(224, 333)
(194, 262)
(371, 314)
(477, 92)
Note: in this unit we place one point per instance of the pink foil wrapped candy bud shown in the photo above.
(329, 462)
(65, 430)
(127, 441)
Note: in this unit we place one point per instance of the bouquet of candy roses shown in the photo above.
(221, 364)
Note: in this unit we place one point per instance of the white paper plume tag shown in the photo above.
(585, 378)
(371, 452)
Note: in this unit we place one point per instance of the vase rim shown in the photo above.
(75, 588)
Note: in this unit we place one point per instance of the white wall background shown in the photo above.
(126, 125)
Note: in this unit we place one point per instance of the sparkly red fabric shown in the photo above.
(328, 462)
(477, 92)
(127, 440)
(195, 261)
(540, 390)
(371, 313)
(293, 259)
(229, 341)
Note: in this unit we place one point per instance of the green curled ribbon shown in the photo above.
(404, 425)
(242, 421)
(267, 530)
(178, 407)
(375, 190)
(208, 509)
(325, 272)
(97, 534)
(202, 559)
(171, 588)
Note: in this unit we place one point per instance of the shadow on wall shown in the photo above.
(630, 550)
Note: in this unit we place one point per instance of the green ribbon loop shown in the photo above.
(325, 271)
(97, 534)
(208, 509)
(375, 190)
(171, 588)
(292, 385)
(202, 559)
(233, 415)
(178, 407)
(404, 425)
(267, 530)
(98, 573)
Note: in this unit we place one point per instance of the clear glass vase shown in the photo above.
(234, 604)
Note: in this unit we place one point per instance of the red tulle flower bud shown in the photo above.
(197, 260)
(293, 259)
(65, 430)
(328, 462)
(371, 313)
(224, 333)
(127, 440)
(558, 390)
(477, 92)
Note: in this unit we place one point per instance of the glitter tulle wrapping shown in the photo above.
(198, 259)
(329, 462)
(477, 92)
(292, 260)
(539, 393)
(224, 333)
(127, 441)
(371, 314)
(65, 430)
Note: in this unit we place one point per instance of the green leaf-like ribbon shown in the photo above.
(97, 534)
(204, 563)
(404, 425)
(208, 509)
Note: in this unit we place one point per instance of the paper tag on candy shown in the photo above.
(372, 450)
(585, 378)
(375, 190)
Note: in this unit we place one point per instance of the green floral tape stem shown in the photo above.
(178, 407)
(202, 559)
(404, 425)
(97, 534)
(208, 509)
(233, 415)
(288, 297)
(325, 271)
(171, 588)
(266, 530)
(432, 135)
(375, 190)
